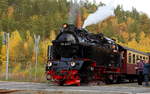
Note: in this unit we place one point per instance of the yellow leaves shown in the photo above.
(43, 50)
(125, 35)
(142, 45)
(142, 35)
(3, 50)
(132, 44)
(14, 41)
(85, 13)
(3, 67)
(144, 42)
(29, 41)
(114, 21)
(29, 38)
(10, 11)
(17, 68)
(3, 54)
(26, 45)
(52, 36)
(132, 35)
(130, 20)
(122, 27)
(104, 24)
(34, 17)
(1, 33)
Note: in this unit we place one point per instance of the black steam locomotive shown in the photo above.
(78, 56)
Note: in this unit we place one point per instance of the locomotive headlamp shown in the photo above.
(72, 64)
(48, 77)
(49, 64)
(65, 25)
(113, 46)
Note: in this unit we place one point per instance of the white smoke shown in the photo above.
(102, 13)
(140, 5)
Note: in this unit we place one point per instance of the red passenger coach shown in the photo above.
(129, 62)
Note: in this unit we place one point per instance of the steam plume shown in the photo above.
(101, 14)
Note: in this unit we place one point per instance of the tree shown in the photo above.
(1, 40)
(3, 6)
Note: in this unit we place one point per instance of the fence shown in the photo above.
(25, 61)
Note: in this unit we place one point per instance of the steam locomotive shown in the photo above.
(78, 56)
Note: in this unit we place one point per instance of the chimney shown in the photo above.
(78, 20)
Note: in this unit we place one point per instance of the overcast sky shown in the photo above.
(141, 5)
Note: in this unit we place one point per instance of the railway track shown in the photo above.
(45, 88)
(3, 91)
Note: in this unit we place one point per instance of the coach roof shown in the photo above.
(133, 50)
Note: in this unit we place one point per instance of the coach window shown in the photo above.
(140, 57)
(137, 57)
(133, 58)
(129, 60)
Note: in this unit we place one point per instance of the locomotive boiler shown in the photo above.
(78, 56)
